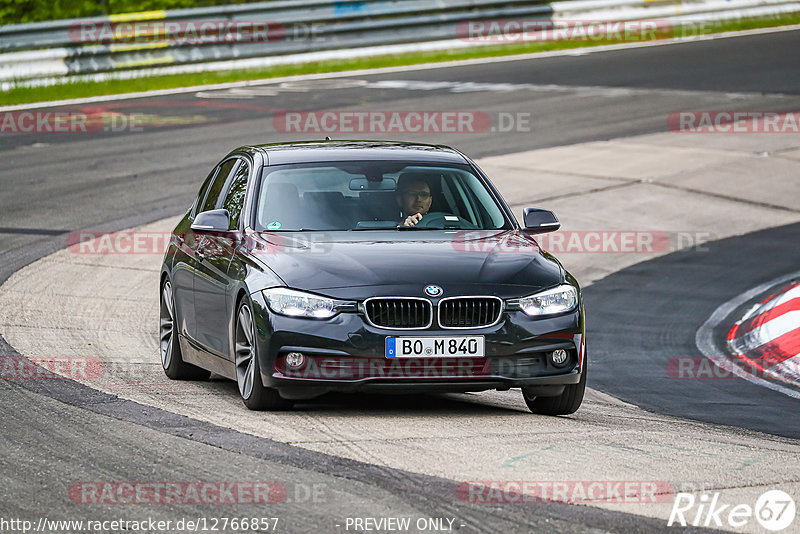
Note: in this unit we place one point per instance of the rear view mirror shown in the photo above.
(538, 221)
(361, 184)
(212, 221)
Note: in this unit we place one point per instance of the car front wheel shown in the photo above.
(564, 404)
(248, 373)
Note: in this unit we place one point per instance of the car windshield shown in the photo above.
(370, 195)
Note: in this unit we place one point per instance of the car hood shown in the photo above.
(360, 264)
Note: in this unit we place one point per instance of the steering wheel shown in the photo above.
(436, 219)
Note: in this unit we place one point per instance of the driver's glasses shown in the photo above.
(422, 195)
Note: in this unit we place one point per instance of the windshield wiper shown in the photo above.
(295, 230)
(402, 228)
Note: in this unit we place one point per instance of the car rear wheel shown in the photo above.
(248, 372)
(171, 358)
(568, 402)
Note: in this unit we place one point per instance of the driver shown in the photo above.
(414, 198)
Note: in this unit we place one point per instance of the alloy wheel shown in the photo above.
(245, 352)
(167, 325)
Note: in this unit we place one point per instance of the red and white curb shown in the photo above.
(767, 338)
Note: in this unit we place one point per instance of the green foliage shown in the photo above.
(19, 11)
(128, 6)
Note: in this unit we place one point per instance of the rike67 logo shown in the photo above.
(774, 510)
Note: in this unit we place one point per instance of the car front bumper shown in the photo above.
(345, 354)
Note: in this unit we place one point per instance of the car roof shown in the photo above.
(346, 150)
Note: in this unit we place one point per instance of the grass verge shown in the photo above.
(82, 89)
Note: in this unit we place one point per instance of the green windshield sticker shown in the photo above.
(274, 225)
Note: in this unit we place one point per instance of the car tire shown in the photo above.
(248, 372)
(169, 346)
(566, 403)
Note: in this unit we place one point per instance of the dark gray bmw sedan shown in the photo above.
(355, 266)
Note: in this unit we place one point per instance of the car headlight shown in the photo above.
(299, 304)
(553, 301)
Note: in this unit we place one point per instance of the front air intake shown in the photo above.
(469, 312)
(399, 312)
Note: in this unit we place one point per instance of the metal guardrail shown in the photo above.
(337, 16)
(297, 30)
(309, 25)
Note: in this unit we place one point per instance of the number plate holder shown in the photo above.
(435, 347)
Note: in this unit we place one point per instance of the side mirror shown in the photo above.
(538, 221)
(212, 221)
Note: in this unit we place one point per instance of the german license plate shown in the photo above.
(434, 347)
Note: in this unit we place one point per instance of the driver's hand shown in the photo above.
(412, 220)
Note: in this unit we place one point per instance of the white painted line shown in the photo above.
(405, 68)
(793, 293)
(749, 340)
(786, 369)
(776, 301)
(768, 332)
(704, 339)
(239, 93)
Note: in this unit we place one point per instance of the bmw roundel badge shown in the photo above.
(433, 291)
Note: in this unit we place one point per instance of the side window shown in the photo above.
(198, 201)
(214, 191)
(234, 200)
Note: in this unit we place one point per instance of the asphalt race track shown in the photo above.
(56, 432)
(661, 317)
